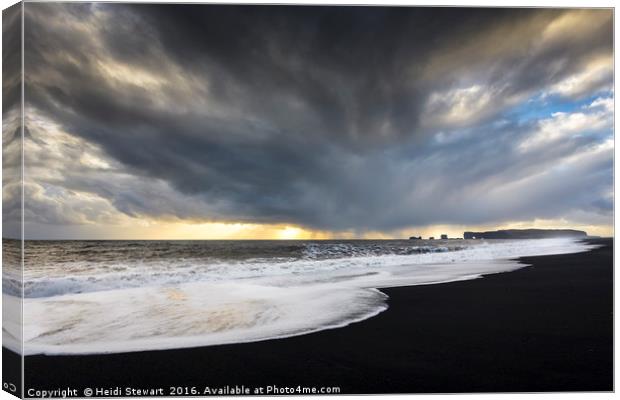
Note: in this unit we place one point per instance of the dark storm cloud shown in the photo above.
(330, 117)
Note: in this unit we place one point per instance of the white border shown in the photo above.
(479, 3)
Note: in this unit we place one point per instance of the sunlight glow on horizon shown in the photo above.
(170, 230)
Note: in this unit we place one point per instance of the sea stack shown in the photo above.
(526, 234)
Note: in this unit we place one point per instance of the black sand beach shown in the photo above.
(547, 327)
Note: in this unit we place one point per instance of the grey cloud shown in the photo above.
(310, 115)
(11, 121)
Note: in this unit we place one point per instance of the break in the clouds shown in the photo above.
(363, 119)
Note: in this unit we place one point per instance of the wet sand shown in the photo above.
(546, 327)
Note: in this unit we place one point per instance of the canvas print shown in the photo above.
(205, 199)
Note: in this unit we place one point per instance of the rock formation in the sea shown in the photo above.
(525, 234)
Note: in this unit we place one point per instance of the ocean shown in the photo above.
(86, 297)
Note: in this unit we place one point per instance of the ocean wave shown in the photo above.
(89, 276)
(172, 305)
(343, 250)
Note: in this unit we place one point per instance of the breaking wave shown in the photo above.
(103, 304)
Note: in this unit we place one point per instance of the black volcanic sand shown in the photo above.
(547, 327)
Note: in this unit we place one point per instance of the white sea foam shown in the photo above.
(174, 305)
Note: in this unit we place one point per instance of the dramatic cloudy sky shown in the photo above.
(194, 121)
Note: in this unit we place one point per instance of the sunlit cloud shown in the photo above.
(596, 75)
(593, 119)
(141, 123)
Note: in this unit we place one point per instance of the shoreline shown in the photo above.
(543, 327)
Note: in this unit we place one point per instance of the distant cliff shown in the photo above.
(525, 234)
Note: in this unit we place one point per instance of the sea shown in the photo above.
(93, 297)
